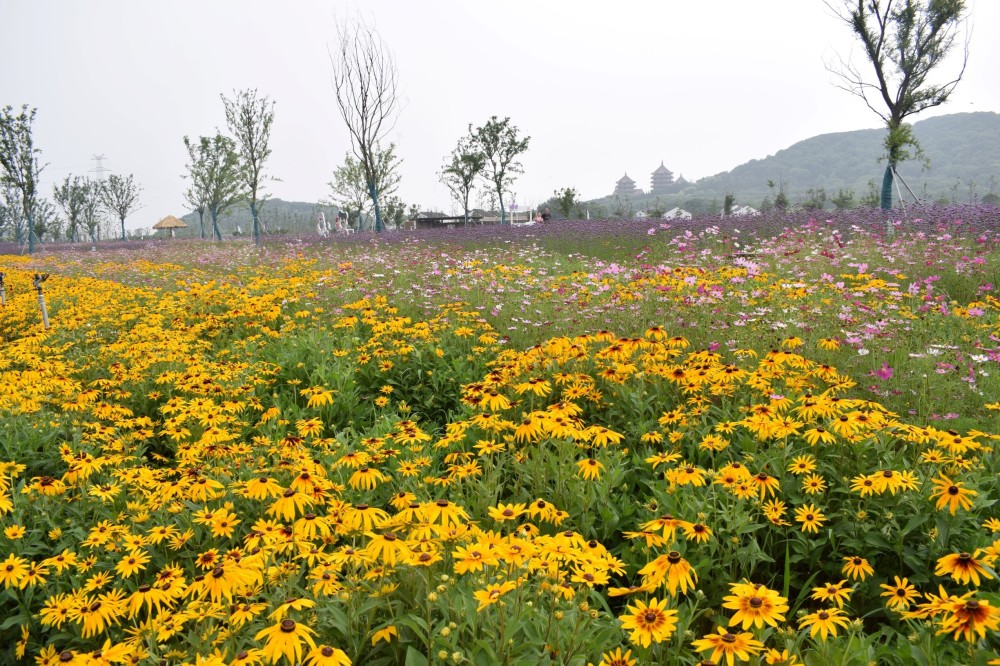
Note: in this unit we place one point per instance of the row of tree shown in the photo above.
(80, 204)
(227, 170)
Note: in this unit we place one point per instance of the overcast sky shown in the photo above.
(602, 88)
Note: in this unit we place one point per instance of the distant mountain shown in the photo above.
(963, 148)
(279, 216)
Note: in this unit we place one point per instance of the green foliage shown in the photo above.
(500, 144)
(464, 166)
(249, 120)
(567, 201)
(350, 188)
(120, 195)
(214, 170)
(19, 166)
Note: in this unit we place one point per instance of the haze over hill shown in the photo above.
(963, 149)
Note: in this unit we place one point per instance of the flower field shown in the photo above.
(700, 442)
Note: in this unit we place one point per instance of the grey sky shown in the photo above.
(601, 87)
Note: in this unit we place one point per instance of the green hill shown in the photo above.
(279, 217)
(963, 149)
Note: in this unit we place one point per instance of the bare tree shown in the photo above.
(19, 160)
(250, 121)
(120, 195)
(904, 41)
(364, 81)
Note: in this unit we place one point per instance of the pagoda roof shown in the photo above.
(625, 179)
(662, 169)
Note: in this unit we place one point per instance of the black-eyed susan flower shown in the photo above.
(649, 623)
(728, 645)
(492, 593)
(899, 595)
(951, 494)
(324, 655)
(755, 605)
(857, 568)
(590, 468)
(810, 517)
(963, 567)
(286, 639)
(970, 618)
(505, 512)
(836, 593)
(825, 622)
(670, 570)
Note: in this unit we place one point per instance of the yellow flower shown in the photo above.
(810, 517)
(652, 623)
(385, 634)
(492, 593)
(285, 639)
(589, 468)
(825, 622)
(729, 645)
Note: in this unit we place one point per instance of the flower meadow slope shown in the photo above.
(314, 454)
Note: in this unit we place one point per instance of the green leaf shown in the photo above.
(414, 658)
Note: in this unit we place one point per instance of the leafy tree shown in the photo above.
(11, 212)
(364, 81)
(120, 195)
(19, 161)
(843, 200)
(656, 210)
(567, 200)
(196, 195)
(872, 198)
(621, 207)
(250, 119)
(71, 197)
(464, 166)
(45, 220)
(904, 41)
(350, 187)
(92, 218)
(214, 168)
(500, 146)
(727, 204)
(816, 198)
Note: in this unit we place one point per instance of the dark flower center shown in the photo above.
(756, 602)
(729, 638)
(673, 557)
(288, 626)
(823, 615)
(650, 617)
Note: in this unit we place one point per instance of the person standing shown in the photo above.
(546, 215)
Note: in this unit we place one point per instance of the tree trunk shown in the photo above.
(373, 191)
(201, 222)
(256, 224)
(503, 213)
(215, 224)
(124, 237)
(887, 185)
(31, 233)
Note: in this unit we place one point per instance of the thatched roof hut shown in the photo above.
(170, 222)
